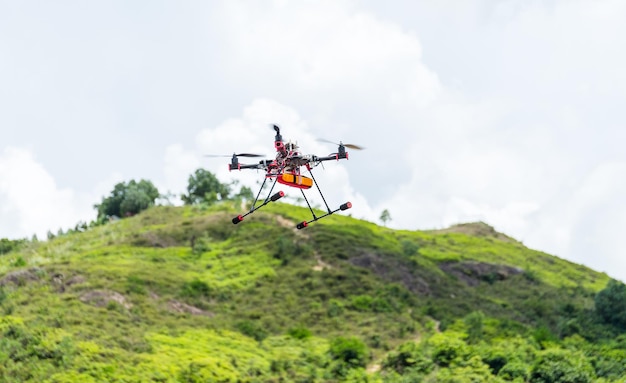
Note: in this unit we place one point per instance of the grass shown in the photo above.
(253, 284)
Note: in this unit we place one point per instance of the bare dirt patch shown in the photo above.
(321, 265)
(22, 277)
(154, 239)
(284, 222)
(372, 368)
(61, 283)
(180, 307)
(478, 229)
(472, 273)
(288, 224)
(102, 298)
(75, 280)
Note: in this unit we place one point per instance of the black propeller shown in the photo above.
(235, 154)
(349, 146)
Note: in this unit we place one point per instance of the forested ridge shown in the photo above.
(150, 292)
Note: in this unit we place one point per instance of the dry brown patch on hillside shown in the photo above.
(478, 229)
(101, 298)
(180, 307)
(21, 277)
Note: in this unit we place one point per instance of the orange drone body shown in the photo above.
(295, 181)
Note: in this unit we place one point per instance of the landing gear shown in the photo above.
(270, 198)
(304, 224)
(276, 196)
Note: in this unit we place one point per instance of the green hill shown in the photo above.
(179, 294)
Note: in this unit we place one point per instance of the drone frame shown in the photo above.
(277, 171)
(276, 196)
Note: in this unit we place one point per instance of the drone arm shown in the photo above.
(263, 164)
(251, 166)
(244, 166)
(270, 198)
(332, 157)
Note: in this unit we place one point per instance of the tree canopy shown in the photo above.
(8, 245)
(611, 304)
(128, 199)
(385, 217)
(203, 186)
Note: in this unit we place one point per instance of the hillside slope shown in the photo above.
(181, 294)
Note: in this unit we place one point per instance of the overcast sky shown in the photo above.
(506, 111)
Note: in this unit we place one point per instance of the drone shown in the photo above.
(287, 169)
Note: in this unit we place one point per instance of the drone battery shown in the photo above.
(296, 181)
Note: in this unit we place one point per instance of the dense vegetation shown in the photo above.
(179, 294)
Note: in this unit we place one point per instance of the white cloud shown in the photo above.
(31, 202)
(586, 224)
(179, 164)
(346, 69)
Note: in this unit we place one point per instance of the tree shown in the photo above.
(447, 348)
(561, 366)
(127, 199)
(245, 193)
(385, 217)
(474, 322)
(611, 304)
(135, 201)
(351, 351)
(8, 245)
(203, 186)
(409, 356)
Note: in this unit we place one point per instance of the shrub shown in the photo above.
(542, 334)
(470, 372)
(362, 302)
(335, 308)
(8, 245)
(135, 285)
(251, 329)
(200, 245)
(610, 364)
(285, 249)
(19, 262)
(409, 248)
(531, 275)
(196, 289)
(408, 357)
(611, 304)
(561, 366)
(351, 351)
(513, 370)
(447, 347)
(300, 332)
(474, 322)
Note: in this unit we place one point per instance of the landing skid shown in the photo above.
(275, 197)
(270, 198)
